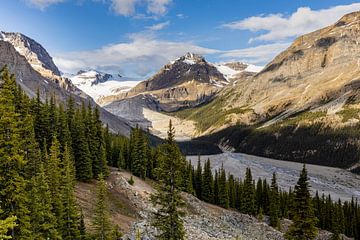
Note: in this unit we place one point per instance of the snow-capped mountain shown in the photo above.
(231, 70)
(98, 84)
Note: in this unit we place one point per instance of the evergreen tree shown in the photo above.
(216, 188)
(80, 147)
(70, 227)
(223, 189)
(43, 219)
(274, 203)
(53, 170)
(12, 163)
(139, 153)
(101, 221)
(304, 221)
(248, 201)
(207, 184)
(198, 180)
(168, 218)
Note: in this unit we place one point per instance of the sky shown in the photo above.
(137, 37)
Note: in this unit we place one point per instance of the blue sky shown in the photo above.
(136, 37)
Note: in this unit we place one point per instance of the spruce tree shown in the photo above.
(101, 220)
(101, 166)
(80, 147)
(70, 226)
(248, 204)
(216, 188)
(12, 163)
(139, 153)
(304, 221)
(223, 189)
(274, 203)
(53, 170)
(207, 184)
(43, 219)
(198, 180)
(168, 219)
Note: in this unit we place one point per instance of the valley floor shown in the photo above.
(338, 182)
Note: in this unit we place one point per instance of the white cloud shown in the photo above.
(158, 7)
(280, 27)
(42, 4)
(159, 26)
(129, 7)
(261, 54)
(142, 55)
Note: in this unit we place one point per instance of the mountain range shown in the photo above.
(314, 82)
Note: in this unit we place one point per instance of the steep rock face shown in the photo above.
(32, 81)
(319, 68)
(34, 53)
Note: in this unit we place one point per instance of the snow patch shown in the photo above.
(189, 61)
(89, 83)
(253, 68)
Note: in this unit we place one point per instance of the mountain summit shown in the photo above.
(35, 54)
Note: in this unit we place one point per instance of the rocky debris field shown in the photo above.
(131, 210)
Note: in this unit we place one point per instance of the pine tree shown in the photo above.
(223, 189)
(274, 203)
(53, 170)
(43, 219)
(100, 148)
(216, 188)
(139, 153)
(80, 147)
(304, 221)
(12, 185)
(248, 204)
(198, 180)
(101, 221)
(70, 227)
(208, 185)
(168, 217)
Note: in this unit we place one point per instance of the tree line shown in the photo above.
(255, 197)
(46, 146)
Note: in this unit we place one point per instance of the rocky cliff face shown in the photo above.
(319, 68)
(34, 53)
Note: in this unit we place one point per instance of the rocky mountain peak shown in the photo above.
(34, 53)
(192, 58)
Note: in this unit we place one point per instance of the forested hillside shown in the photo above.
(46, 147)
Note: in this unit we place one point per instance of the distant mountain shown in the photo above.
(101, 85)
(35, 71)
(187, 82)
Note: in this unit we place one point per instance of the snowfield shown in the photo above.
(337, 182)
(97, 84)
